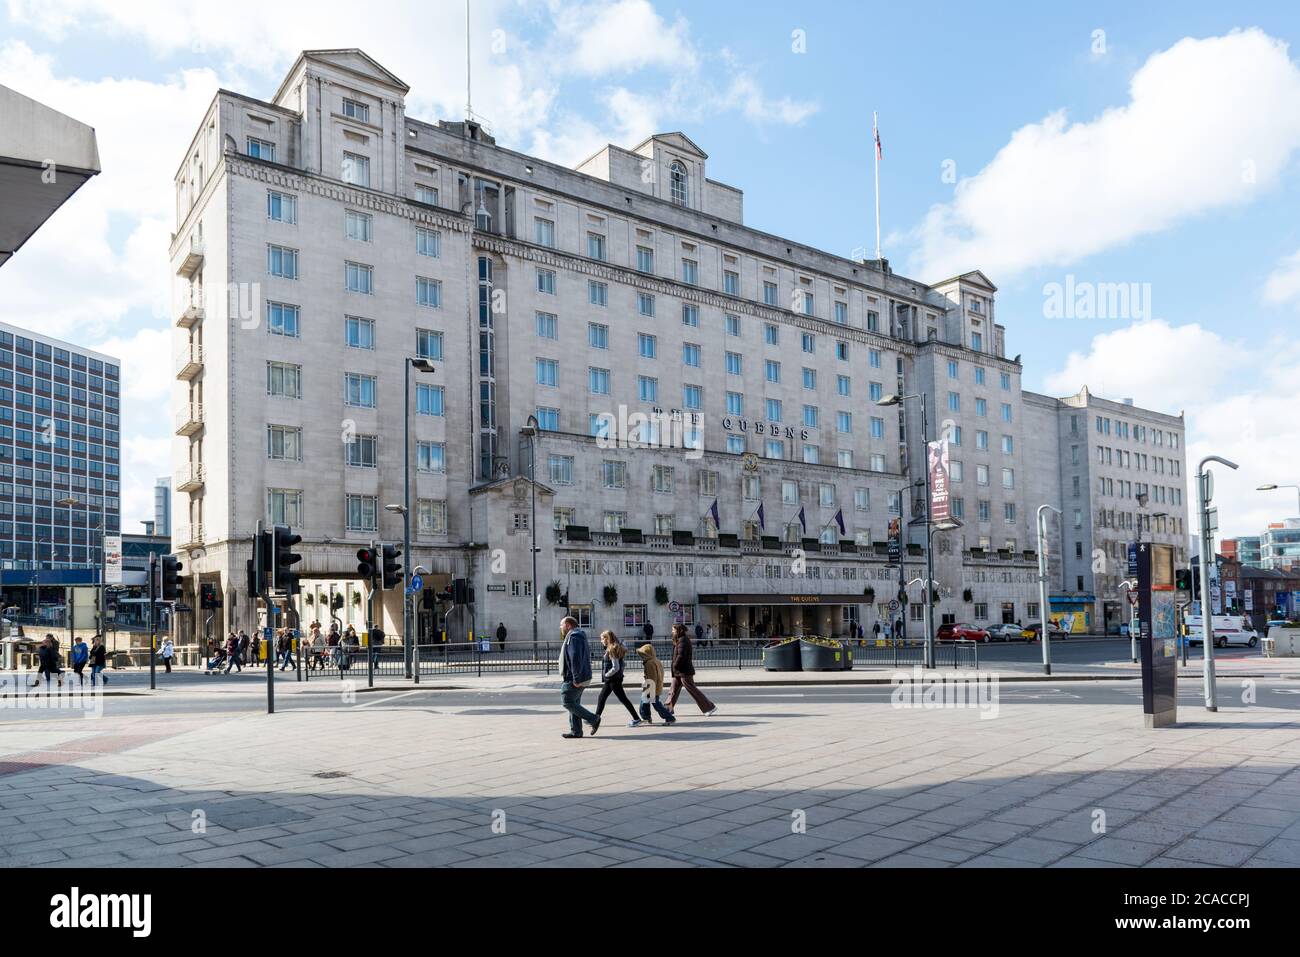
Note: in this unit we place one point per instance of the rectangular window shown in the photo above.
(282, 319)
(877, 427)
(560, 469)
(598, 381)
(429, 400)
(810, 379)
(690, 315)
(769, 293)
(646, 345)
(358, 226)
(597, 335)
(356, 111)
(647, 388)
(733, 325)
(844, 422)
(544, 232)
(428, 242)
(771, 334)
(645, 303)
(282, 207)
(547, 326)
(693, 397)
(546, 281)
(842, 313)
(597, 293)
(735, 403)
(284, 443)
(691, 354)
(548, 420)
(284, 506)
(282, 261)
(358, 277)
(428, 292)
(356, 169)
(432, 516)
(431, 457)
(284, 379)
(596, 246)
(548, 371)
(614, 474)
(645, 259)
(362, 513)
(261, 149)
(359, 390)
(735, 363)
(690, 272)
(661, 479)
(426, 194)
(361, 451)
(428, 344)
(772, 370)
(731, 283)
(360, 333)
(842, 385)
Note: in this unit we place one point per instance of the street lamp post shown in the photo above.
(529, 431)
(1041, 524)
(1273, 487)
(929, 551)
(421, 365)
(1204, 493)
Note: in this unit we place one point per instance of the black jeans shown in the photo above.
(614, 686)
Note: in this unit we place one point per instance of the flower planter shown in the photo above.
(847, 655)
(821, 655)
(784, 656)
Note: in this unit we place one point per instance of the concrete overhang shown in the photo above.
(45, 157)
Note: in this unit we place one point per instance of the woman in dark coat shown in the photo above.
(684, 674)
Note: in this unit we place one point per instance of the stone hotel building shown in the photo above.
(614, 350)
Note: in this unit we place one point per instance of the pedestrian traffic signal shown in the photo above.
(283, 577)
(368, 564)
(1183, 579)
(209, 597)
(392, 567)
(171, 578)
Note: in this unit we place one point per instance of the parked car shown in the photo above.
(1032, 632)
(1005, 632)
(954, 632)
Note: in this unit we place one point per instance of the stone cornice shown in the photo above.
(272, 175)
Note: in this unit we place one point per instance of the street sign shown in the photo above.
(674, 606)
(1132, 560)
(1212, 519)
(266, 634)
(893, 604)
(1207, 487)
(417, 582)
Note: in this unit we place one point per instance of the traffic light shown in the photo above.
(368, 564)
(1183, 579)
(392, 567)
(209, 597)
(283, 577)
(459, 591)
(171, 578)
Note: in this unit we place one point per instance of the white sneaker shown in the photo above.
(711, 713)
(634, 724)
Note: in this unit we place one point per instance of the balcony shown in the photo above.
(190, 314)
(188, 536)
(189, 361)
(193, 259)
(189, 419)
(189, 479)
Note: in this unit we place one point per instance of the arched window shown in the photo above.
(677, 181)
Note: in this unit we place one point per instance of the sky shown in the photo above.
(1150, 149)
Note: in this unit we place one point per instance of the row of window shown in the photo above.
(360, 512)
(1136, 432)
(43, 350)
(281, 261)
(954, 372)
(284, 443)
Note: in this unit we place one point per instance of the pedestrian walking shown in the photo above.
(611, 677)
(376, 642)
(683, 669)
(47, 663)
(349, 645)
(648, 630)
(218, 658)
(232, 653)
(284, 649)
(318, 648)
(242, 651)
(80, 656)
(875, 630)
(699, 634)
(255, 648)
(652, 685)
(575, 670)
(98, 658)
(167, 652)
(501, 635)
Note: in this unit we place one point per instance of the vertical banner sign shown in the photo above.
(1157, 617)
(895, 539)
(1248, 599)
(1132, 560)
(113, 559)
(939, 491)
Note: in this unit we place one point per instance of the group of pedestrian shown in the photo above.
(49, 661)
(576, 673)
(234, 653)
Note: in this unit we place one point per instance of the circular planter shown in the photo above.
(815, 657)
(782, 657)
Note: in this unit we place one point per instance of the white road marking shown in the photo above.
(389, 698)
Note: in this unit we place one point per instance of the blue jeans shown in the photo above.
(571, 695)
(658, 706)
(95, 672)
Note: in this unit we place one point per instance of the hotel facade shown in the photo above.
(680, 411)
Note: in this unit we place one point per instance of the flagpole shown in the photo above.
(875, 150)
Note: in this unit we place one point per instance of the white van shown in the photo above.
(1228, 630)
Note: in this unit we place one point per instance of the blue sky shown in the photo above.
(1171, 161)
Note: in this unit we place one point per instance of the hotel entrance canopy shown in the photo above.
(45, 157)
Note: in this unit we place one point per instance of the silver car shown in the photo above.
(1004, 632)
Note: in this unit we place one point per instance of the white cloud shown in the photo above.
(1210, 123)
(1238, 399)
(1283, 283)
(620, 37)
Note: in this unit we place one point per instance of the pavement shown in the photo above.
(421, 777)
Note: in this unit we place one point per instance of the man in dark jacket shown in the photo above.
(501, 635)
(575, 670)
